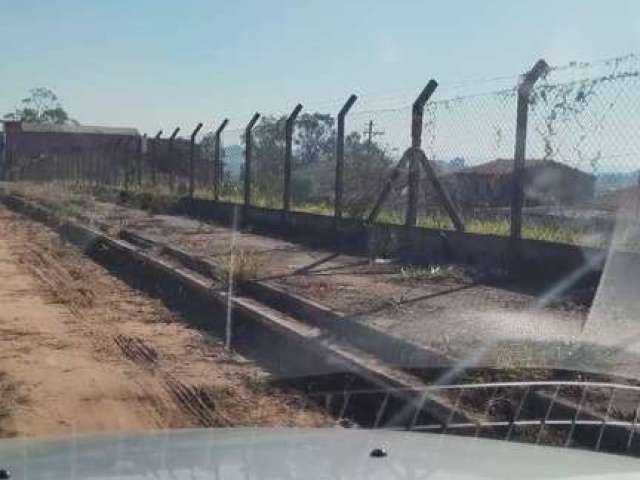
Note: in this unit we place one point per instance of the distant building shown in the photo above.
(37, 138)
(30, 142)
(547, 182)
(39, 148)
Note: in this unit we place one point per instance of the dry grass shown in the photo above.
(433, 273)
(238, 266)
(65, 203)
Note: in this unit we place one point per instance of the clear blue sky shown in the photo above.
(153, 64)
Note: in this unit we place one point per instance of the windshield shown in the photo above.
(367, 215)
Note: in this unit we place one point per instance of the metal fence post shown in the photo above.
(638, 197)
(96, 168)
(217, 165)
(386, 189)
(337, 199)
(139, 153)
(441, 191)
(127, 163)
(114, 164)
(170, 157)
(154, 157)
(192, 160)
(417, 113)
(247, 158)
(288, 137)
(99, 165)
(524, 92)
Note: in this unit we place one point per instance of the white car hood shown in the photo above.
(309, 454)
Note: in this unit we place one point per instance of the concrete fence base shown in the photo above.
(418, 245)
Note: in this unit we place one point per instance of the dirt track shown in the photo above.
(83, 352)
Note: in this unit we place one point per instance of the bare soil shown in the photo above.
(83, 352)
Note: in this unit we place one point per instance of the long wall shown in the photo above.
(536, 258)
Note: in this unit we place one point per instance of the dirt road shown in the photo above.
(81, 352)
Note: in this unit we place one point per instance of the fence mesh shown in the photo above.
(581, 156)
(313, 162)
(375, 141)
(583, 120)
(232, 153)
(463, 135)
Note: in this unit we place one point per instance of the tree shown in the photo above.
(314, 137)
(366, 168)
(268, 157)
(41, 106)
(314, 155)
(313, 140)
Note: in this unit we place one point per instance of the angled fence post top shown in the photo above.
(347, 105)
(195, 131)
(528, 80)
(418, 111)
(425, 94)
(221, 127)
(294, 114)
(159, 134)
(253, 121)
(173, 135)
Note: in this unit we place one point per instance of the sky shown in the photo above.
(156, 64)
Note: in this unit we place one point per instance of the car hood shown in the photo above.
(309, 454)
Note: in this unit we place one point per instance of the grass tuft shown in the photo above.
(238, 266)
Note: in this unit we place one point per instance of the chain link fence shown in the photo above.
(583, 122)
(581, 163)
(232, 155)
(314, 162)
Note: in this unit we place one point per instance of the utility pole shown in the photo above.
(370, 133)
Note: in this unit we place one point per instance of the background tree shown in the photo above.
(366, 168)
(268, 159)
(41, 106)
(314, 137)
(208, 145)
(314, 163)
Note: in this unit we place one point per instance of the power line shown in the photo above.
(370, 132)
